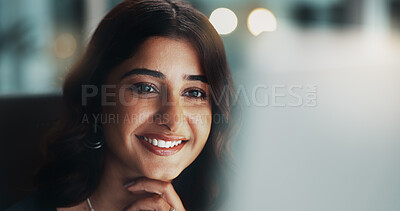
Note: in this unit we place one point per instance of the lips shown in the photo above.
(162, 145)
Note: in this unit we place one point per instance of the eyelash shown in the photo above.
(200, 91)
(137, 86)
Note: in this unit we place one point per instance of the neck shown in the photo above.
(111, 193)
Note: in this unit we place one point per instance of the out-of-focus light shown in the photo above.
(224, 20)
(261, 20)
(64, 46)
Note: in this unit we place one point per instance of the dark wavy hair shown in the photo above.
(72, 172)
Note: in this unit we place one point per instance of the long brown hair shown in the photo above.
(72, 172)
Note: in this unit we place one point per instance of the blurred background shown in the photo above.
(319, 83)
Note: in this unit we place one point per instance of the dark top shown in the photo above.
(31, 204)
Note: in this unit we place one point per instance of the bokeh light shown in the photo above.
(65, 45)
(224, 20)
(261, 20)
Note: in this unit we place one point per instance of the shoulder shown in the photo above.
(31, 203)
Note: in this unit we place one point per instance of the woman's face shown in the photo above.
(161, 114)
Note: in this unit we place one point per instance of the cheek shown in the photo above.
(130, 116)
(200, 121)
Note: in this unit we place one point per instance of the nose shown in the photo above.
(170, 114)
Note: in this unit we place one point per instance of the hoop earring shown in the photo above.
(95, 140)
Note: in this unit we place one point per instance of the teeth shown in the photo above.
(162, 143)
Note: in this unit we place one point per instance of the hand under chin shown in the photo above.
(137, 195)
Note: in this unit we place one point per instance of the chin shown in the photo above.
(163, 174)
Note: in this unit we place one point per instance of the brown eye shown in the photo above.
(195, 93)
(143, 88)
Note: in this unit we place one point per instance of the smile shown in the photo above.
(162, 143)
(161, 147)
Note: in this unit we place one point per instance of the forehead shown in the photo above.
(172, 57)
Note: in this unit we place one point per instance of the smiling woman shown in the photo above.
(163, 67)
(187, 114)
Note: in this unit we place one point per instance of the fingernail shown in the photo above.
(129, 184)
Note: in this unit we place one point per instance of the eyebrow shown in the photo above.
(144, 71)
(196, 78)
(160, 75)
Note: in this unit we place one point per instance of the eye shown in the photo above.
(195, 93)
(143, 88)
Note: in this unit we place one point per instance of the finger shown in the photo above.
(150, 203)
(164, 189)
